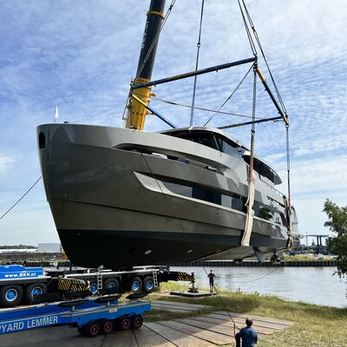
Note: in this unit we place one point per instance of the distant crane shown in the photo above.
(318, 237)
(319, 248)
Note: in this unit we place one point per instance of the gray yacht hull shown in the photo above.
(109, 196)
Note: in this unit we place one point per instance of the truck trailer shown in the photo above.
(29, 285)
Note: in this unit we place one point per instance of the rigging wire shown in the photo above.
(224, 305)
(197, 63)
(249, 35)
(256, 36)
(284, 110)
(231, 95)
(204, 109)
(21, 198)
(259, 278)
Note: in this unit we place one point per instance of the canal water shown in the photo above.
(315, 285)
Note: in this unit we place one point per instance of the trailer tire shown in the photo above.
(124, 323)
(34, 289)
(11, 295)
(137, 322)
(93, 288)
(107, 326)
(112, 285)
(148, 284)
(91, 329)
(135, 284)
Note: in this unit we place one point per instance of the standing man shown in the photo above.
(248, 335)
(211, 276)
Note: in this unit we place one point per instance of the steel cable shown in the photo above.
(204, 109)
(231, 95)
(197, 63)
(21, 198)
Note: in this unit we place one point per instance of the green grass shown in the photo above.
(318, 326)
(306, 257)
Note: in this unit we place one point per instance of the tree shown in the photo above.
(337, 223)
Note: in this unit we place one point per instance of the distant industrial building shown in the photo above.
(49, 248)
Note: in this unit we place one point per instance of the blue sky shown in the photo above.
(81, 55)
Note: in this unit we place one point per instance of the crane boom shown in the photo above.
(137, 111)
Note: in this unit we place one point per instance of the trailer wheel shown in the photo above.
(11, 296)
(112, 285)
(148, 284)
(34, 289)
(107, 326)
(137, 322)
(124, 323)
(93, 288)
(136, 285)
(91, 329)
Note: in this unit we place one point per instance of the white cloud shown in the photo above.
(5, 162)
(327, 174)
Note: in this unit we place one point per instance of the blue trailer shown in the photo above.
(25, 284)
(92, 316)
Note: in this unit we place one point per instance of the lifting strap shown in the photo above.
(246, 237)
(288, 202)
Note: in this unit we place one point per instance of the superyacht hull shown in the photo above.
(123, 198)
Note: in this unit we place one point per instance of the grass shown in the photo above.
(314, 325)
(306, 257)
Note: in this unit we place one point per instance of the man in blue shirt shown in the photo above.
(248, 335)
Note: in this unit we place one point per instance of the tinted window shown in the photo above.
(227, 147)
(179, 189)
(206, 139)
(202, 193)
(238, 204)
(261, 168)
(207, 195)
